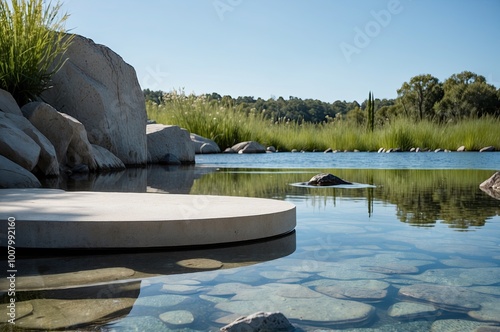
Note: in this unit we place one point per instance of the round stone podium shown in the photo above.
(52, 219)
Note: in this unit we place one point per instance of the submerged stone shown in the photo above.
(64, 280)
(21, 309)
(160, 300)
(177, 317)
(298, 302)
(200, 263)
(460, 276)
(180, 289)
(411, 310)
(139, 323)
(361, 290)
(455, 325)
(490, 311)
(228, 288)
(457, 299)
(54, 314)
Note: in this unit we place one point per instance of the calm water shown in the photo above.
(414, 247)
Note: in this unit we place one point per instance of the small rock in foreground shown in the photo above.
(260, 321)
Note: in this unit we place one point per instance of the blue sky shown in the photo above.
(320, 49)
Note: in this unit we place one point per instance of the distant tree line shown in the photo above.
(424, 97)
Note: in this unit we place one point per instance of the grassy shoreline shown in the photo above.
(227, 125)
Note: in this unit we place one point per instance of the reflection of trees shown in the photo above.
(449, 196)
(422, 197)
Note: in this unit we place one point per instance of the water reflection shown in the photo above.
(422, 197)
(154, 178)
(355, 262)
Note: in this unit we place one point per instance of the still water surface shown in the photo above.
(417, 248)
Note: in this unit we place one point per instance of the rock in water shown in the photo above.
(260, 321)
(492, 186)
(326, 179)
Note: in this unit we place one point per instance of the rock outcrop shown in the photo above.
(168, 143)
(8, 103)
(249, 147)
(14, 176)
(48, 164)
(67, 134)
(325, 179)
(204, 145)
(105, 160)
(17, 146)
(99, 89)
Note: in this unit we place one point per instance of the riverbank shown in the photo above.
(227, 126)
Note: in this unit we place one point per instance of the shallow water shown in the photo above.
(414, 246)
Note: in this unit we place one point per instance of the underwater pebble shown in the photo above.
(455, 325)
(466, 263)
(411, 310)
(142, 323)
(457, 299)
(180, 289)
(200, 263)
(160, 300)
(490, 311)
(177, 317)
(284, 274)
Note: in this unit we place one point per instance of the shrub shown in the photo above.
(32, 43)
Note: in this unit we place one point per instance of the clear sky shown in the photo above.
(320, 49)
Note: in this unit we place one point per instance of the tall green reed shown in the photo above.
(227, 125)
(32, 42)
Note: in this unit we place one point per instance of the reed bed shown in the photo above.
(228, 125)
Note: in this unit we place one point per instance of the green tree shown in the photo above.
(418, 96)
(370, 112)
(32, 44)
(356, 116)
(468, 95)
(154, 96)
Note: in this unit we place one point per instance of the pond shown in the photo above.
(416, 247)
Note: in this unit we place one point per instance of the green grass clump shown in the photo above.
(228, 125)
(32, 42)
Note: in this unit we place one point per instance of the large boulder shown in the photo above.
(492, 185)
(204, 145)
(100, 90)
(8, 103)
(67, 134)
(17, 146)
(48, 164)
(249, 147)
(105, 160)
(14, 176)
(168, 143)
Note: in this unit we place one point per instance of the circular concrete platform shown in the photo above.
(50, 218)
